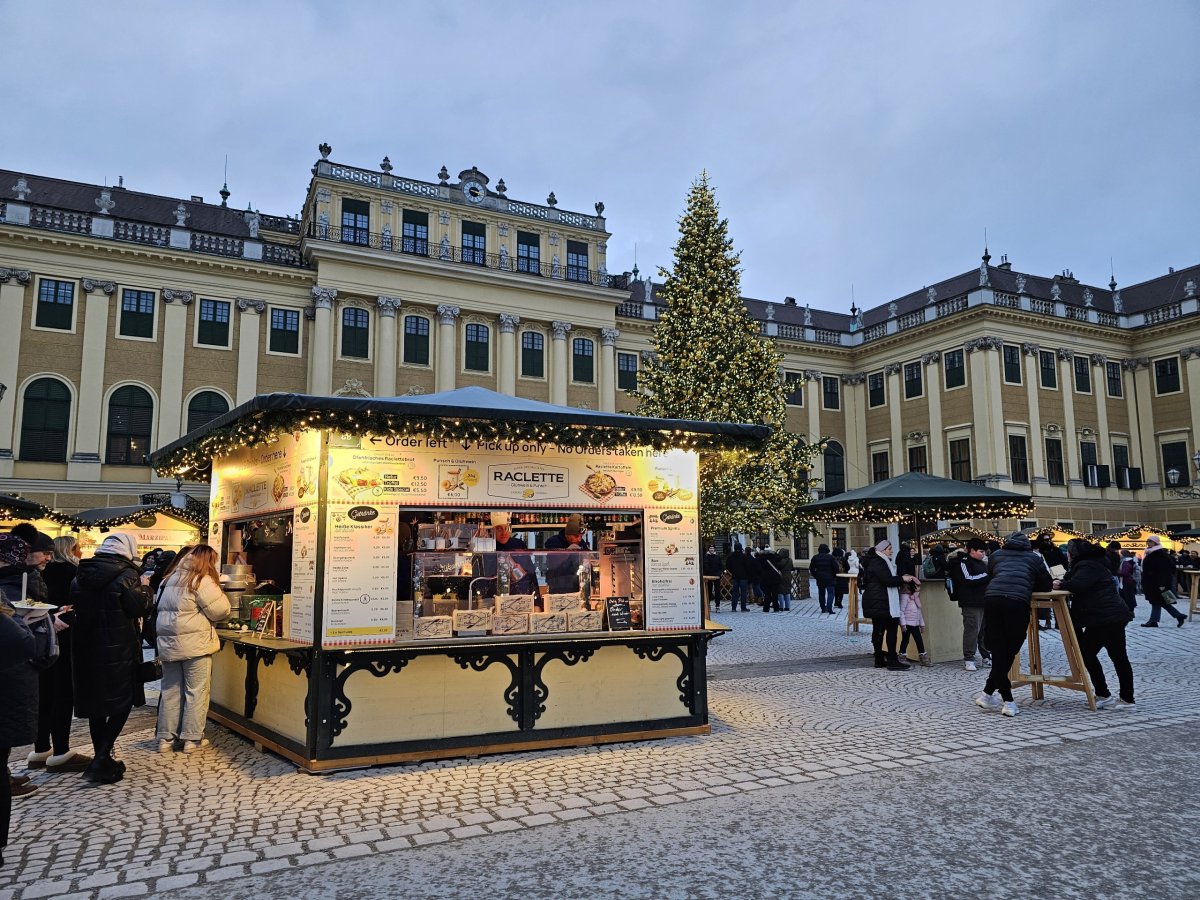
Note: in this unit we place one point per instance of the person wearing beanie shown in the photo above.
(1099, 616)
(968, 575)
(1158, 575)
(1016, 570)
(881, 584)
(110, 596)
(571, 536)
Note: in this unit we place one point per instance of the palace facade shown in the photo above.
(127, 319)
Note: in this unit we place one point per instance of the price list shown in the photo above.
(672, 552)
(360, 575)
(299, 624)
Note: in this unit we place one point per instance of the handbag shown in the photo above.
(150, 670)
(1169, 597)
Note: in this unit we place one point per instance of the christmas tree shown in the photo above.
(711, 362)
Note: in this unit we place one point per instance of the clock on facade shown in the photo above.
(474, 191)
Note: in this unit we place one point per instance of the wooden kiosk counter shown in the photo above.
(389, 616)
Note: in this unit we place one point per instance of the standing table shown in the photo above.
(1036, 678)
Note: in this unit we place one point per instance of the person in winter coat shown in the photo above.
(41, 549)
(785, 567)
(770, 578)
(738, 565)
(968, 574)
(823, 569)
(906, 560)
(840, 585)
(190, 604)
(1016, 571)
(109, 595)
(1100, 617)
(1127, 575)
(912, 621)
(18, 681)
(1158, 574)
(52, 749)
(881, 585)
(712, 568)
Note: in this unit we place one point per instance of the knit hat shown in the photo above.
(13, 550)
(1154, 539)
(41, 543)
(882, 545)
(976, 544)
(574, 524)
(119, 544)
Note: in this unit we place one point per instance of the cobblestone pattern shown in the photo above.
(177, 821)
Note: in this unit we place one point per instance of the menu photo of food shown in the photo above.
(455, 480)
(661, 489)
(278, 488)
(358, 480)
(600, 486)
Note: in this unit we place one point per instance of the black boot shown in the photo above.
(880, 659)
(895, 664)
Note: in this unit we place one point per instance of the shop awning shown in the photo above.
(466, 414)
(14, 507)
(915, 496)
(116, 516)
(959, 535)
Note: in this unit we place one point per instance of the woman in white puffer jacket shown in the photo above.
(190, 603)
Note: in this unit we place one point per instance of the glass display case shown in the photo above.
(524, 592)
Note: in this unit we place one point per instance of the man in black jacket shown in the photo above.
(1016, 572)
(1100, 617)
(967, 570)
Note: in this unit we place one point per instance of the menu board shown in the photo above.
(299, 624)
(486, 474)
(360, 575)
(265, 479)
(672, 553)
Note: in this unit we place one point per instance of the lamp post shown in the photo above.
(1184, 493)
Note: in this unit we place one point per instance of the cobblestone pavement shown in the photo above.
(793, 700)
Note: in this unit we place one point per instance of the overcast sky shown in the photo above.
(849, 142)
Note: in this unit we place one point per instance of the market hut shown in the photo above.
(418, 598)
(1135, 538)
(159, 523)
(15, 509)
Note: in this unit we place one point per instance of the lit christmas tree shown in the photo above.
(711, 363)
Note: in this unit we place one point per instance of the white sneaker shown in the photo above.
(989, 702)
(987, 662)
(1106, 702)
(37, 760)
(1126, 705)
(970, 666)
(193, 746)
(1010, 709)
(166, 746)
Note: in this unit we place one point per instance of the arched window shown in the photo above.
(46, 421)
(835, 469)
(205, 407)
(130, 421)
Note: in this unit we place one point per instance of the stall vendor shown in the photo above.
(522, 573)
(502, 528)
(571, 537)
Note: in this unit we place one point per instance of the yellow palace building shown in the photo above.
(127, 319)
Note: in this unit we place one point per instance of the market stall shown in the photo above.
(159, 524)
(1135, 538)
(393, 561)
(14, 509)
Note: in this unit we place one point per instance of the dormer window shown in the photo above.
(356, 222)
(474, 243)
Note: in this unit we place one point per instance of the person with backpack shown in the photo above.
(968, 573)
(881, 584)
(1127, 575)
(1099, 616)
(110, 595)
(18, 712)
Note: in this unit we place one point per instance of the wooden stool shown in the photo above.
(853, 620)
(1078, 680)
(1193, 593)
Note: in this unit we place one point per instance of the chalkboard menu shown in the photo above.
(620, 617)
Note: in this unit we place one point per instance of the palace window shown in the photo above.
(414, 233)
(55, 304)
(45, 421)
(529, 253)
(918, 459)
(1012, 364)
(583, 360)
(416, 340)
(1048, 370)
(476, 357)
(1056, 472)
(577, 261)
(627, 369)
(130, 421)
(533, 354)
(474, 243)
(795, 388)
(213, 329)
(955, 368)
(914, 386)
(204, 407)
(356, 222)
(1083, 375)
(1018, 459)
(831, 393)
(835, 469)
(876, 390)
(880, 468)
(960, 459)
(1116, 387)
(356, 333)
(285, 331)
(1166, 375)
(137, 314)
(1175, 458)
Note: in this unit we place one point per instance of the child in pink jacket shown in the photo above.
(912, 621)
